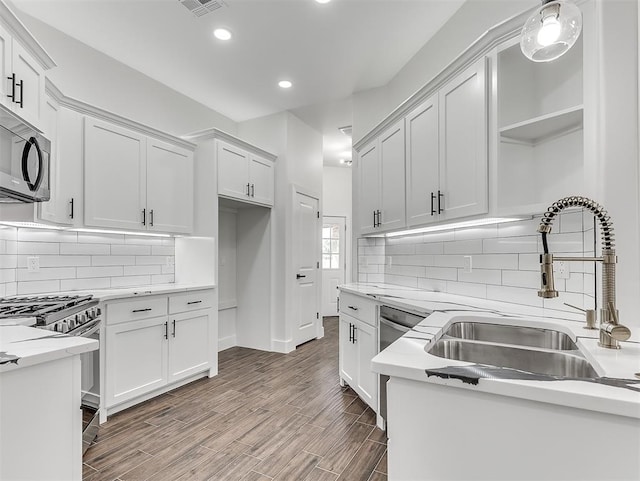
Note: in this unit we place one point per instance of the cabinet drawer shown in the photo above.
(135, 309)
(358, 307)
(190, 301)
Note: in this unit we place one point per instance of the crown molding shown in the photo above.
(216, 134)
(86, 109)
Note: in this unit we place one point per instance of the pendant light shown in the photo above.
(551, 31)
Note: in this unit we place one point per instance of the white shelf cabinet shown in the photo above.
(243, 175)
(134, 182)
(381, 167)
(540, 129)
(155, 342)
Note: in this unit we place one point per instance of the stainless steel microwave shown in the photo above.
(24, 161)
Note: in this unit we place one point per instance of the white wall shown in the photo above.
(86, 74)
(227, 278)
(472, 19)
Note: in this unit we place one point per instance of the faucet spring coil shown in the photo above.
(606, 226)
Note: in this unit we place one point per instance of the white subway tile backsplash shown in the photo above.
(113, 260)
(100, 238)
(142, 270)
(130, 250)
(82, 284)
(104, 271)
(46, 235)
(56, 261)
(149, 260)
(505, 260)
(7, 275)
(37, 287)
(163, 250)
(46, 274)
(143, 240)
(161, 279)
(8, 261)
(85, 249)
(36, 248)
(129, 281)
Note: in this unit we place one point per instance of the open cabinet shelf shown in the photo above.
(545, 127)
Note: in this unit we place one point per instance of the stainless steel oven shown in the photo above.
(394, 323)
(73, 316)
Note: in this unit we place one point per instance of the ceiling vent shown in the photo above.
(202, 7)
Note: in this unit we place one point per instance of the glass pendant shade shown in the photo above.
(551, 31)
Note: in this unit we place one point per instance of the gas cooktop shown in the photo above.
(46, 309)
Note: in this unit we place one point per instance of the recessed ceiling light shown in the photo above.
(285, 84)
(323, 1)
(222, 34)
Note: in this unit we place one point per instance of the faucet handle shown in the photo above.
(617, 331)
(590, 315)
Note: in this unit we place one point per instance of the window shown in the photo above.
(331, 246)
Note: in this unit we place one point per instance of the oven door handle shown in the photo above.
(394, 326)
(86, 329)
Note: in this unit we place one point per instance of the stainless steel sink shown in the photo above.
(509, 334)
(550, 362)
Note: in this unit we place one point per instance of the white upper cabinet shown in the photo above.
(423, 158)
(115, 166)
(169, 187)
(382, 176)
(369, 192)
(22, 65)
(261, 180)
(135, 182)
(243, 175)
(392, 177)
(64, 128)
(464, 156)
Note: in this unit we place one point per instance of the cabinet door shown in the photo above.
(233, 171)
(369, 185)
(261, 180)
(189, 344)
(31, 74)
(422, 163)
(392, 177)
(169, 188)
(367, 347)
(348, 360)
(114, 176)
(136, 354)
(53, 211)
(5, 67)
(463, 145)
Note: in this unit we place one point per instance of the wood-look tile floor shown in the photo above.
(266, 416)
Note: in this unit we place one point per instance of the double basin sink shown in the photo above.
(531, 349)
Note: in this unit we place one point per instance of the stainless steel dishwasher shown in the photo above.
(393, 324)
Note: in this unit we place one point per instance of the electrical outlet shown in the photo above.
(389, 261)
(33, 264)
(468, 266)
(170, 261)
(562, 270)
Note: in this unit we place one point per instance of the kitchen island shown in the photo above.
(40, 416)
(450, 419)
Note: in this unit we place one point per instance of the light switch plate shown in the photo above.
(33, 264)
(468, 265)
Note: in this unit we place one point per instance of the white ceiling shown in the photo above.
(328, 50)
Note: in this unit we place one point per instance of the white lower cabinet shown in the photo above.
(146, 354)
(137, 359)
(358, 345)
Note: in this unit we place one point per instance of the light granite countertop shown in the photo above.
(616, 391)
(22, 346)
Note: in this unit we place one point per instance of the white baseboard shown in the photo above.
(283, 346)
(226, 343)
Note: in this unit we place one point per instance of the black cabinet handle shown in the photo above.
(151, 218)
(433, 198)
(142, 310)
(354, 334)
(12, 95)
(144, 216)
(350, 332)
(379, 218)
(174, 328)
(253, 190)
(299, 276)
(440, 198)
(166, 330)
(193, 302)
(248, 191)
(21, 85)
(71, 204)
(353, 308)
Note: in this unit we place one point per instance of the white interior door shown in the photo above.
(333, 262)
(306, 260)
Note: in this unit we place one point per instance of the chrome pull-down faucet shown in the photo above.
(611, 331)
